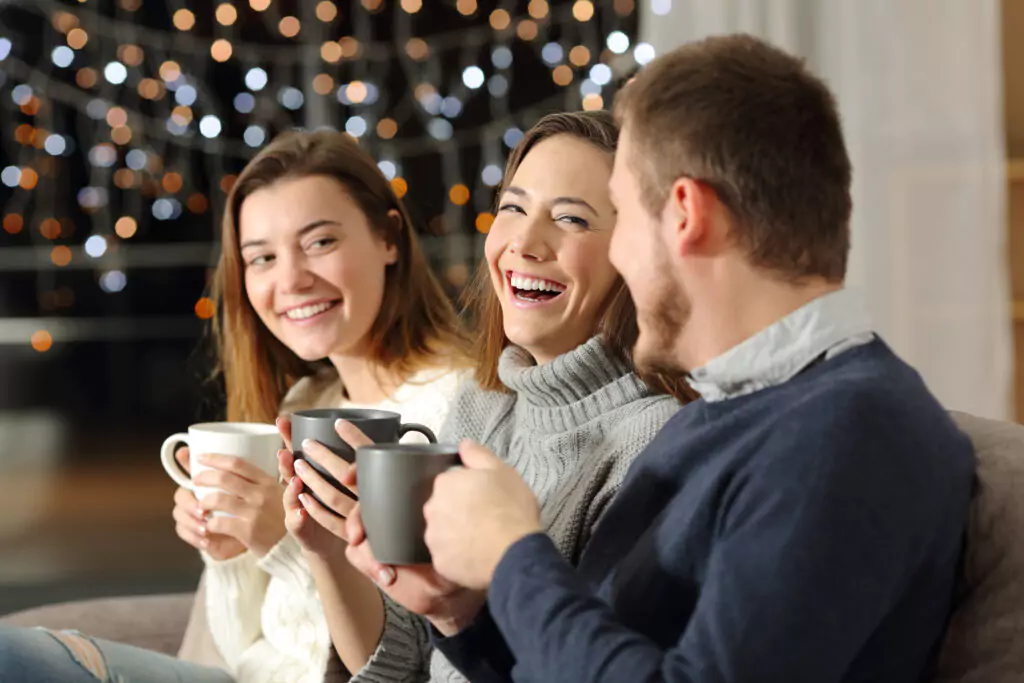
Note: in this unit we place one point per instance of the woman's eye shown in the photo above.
(260, 260)
(322, 242)
(514, 208)
(575, 220)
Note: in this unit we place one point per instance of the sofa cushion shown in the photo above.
(985, 639)
(154, 622)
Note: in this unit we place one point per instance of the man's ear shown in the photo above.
(686, 216)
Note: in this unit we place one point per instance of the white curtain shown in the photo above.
(919, 85)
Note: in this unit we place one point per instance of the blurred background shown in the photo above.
(123, 123)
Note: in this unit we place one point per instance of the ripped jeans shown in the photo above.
(35, 655)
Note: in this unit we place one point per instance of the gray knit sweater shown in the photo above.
(572, 428)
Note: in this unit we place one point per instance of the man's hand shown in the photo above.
(475, 514)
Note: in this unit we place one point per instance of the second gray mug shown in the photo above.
(395, 482)
(381, 426)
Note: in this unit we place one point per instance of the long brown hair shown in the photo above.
(618, 324)
(416, 323)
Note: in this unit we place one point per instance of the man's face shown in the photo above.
(642, 250)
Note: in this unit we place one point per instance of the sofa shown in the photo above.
(984, 642)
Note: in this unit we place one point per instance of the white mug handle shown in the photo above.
(171, 464)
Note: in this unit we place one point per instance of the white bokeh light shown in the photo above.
(501, 57)
(643, 53)
(473, 77)
(254, 136)
(512, 137)
(440, 129)
(115, 73)
(21, 94)
(186, 95)
(661, 7)
(10, 176)
(113, 281)
(96, 246)
(256, 79)
(356, 126)
(617, 42)
(601, 74)
(135, 159)
(451, 107)
(552, 54)
(497, 85)
(55, 144)
(209, 126)
(388, 168)
(290, 98)
(5, 48)
(62, 56)
(491, 175)
(244, 103)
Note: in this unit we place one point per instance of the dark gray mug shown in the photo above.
(395, 481)
(381, 426)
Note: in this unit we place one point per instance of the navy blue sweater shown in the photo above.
(809, 532)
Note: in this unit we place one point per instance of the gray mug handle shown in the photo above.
(413, 427)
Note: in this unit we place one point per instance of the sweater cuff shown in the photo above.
(240, 569)
(403, 652)
(286, 562)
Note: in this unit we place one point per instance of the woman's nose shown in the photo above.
(530, 242)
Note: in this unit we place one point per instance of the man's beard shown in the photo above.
(661, 327)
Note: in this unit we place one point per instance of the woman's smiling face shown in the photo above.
(547, 249)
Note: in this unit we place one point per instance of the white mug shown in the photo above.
(251, 441)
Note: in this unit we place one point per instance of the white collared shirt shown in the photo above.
(828, 325)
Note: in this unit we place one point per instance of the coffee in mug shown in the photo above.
(395, 482)
(251, 441)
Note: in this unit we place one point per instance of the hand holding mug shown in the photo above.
(190, 521)
(232, 467)
(318, 528)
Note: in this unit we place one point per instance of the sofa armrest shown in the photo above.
(153, 622)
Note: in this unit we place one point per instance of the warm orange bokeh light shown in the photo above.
(42, 341)
(399, 185)
(289, 27)
(538, 9)
(184, 20)
(13, 223)
(527, 29)
(417, 49)
(221, 50)
(484, 222)
(227, 182)
(131, 55)
(387, 129)
(412, 6)
(121, 135)
(330, 52)
(170, 71)
(459, 195)
(205, 308)
(50, 228)
(562, 75)
(61, 256)
(226, 14)
(197, 203)
(116, 116)
(500, 20)
(349, 47)
(259, 5)
(579, 55)
(583, 10)
(172, 182)
(29, 178)
(466, 7)
(24, 134)
(624, 7)
(323, 84)
(125, 227)
(593, 102)
(77, 38)
(326, 11)
(86, 78)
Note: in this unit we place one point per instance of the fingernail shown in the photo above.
(202, 529)
(304, 500)
(339, 422)
(386, 576)
(306, 443)
(300, 466)
(293, 480)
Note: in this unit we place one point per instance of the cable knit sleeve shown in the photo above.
(286, 562)
(234, 598)
(403, 654)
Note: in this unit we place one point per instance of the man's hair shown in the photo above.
(752, 123)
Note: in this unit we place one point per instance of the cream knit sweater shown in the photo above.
(264, 614)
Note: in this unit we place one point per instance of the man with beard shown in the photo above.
(803, 521)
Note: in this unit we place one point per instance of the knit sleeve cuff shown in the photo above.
(237, 571)
(402, 656)
(286, 562)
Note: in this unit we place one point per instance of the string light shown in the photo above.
(221, 50)
(126, 227)
(205, 308)
(483, 222)
(13, 223)
(399, 186)
(289, 27)
(323, 84)
(77, 38)
(527, 29)
(579, 55)
(459, 195)
(466, 7)
(500, 20)
(538, 9)
(132, 55)
(592, 102)
(583, 10)
(226, 14)
(41, 340)
(661, 7)
(184, 20)
(412, 6)
(417, 49)
(259, 5)
(197, 203)
(60, 256)
(50, 228)
(562, 75)
(326, 11)
(330, 52)
(387, 129)
(624, 7)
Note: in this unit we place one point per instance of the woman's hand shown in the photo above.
(249, 494)
(190, 522)
(418, 588)
(318, 530)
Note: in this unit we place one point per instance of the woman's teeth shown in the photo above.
(308, 311)
(536, 284)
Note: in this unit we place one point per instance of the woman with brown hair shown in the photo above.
(554, 392)
(324, 299)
